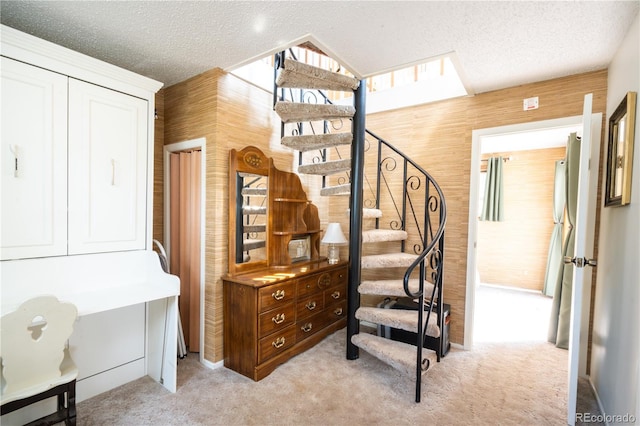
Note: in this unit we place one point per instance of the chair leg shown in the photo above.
(71, 404)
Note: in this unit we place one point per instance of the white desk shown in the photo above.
(107, 289)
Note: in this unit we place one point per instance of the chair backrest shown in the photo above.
(33, 340)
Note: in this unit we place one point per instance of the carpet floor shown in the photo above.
(505, 383)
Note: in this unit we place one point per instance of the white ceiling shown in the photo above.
(497, 44)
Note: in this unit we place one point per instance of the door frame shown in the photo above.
(476, 143)
(201, 144)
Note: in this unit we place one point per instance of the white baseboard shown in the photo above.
(212, 365)
(458, 346)
(598, 401)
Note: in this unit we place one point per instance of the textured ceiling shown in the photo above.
(497, 44)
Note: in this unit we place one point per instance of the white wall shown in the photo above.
(615, 364)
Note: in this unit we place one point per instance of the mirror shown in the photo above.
(620, 152)
(251, 218)
(248, 209)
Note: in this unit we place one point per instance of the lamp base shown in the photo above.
(334, 254)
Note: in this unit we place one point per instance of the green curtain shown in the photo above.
(561, 307)
(493, 207)
(554, 258)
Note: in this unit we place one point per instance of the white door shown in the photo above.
(584, 240)
(107, 169)
(34, 161)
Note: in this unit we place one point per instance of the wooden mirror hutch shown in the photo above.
(280, 296)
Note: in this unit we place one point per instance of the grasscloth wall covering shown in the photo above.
(439, 136)
(228, 113)
(514, 252)
(231, 113)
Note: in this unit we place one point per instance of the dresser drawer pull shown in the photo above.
(335, 295)
(278, 318)
(338, 312)
(278, 294)
(311, 305)
(307, 327)
(278, 343)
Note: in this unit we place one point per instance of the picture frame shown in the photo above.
(620, 152)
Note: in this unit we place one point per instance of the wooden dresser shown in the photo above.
(277, 313)
(280, 296)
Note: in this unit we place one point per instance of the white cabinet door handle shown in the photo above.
(113, 172)
(14, 151)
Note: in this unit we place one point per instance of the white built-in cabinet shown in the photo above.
(76, 172)
(107, 169)
(34, 161)
(74, 165)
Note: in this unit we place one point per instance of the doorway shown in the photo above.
(512, 142)
(184, 180)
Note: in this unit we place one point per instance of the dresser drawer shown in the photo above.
(321, 281)
(335, 294)
(313, 284)
(340, 275)
(276, 319)
(336, 312)
(311, 325)
(275, 295)
(309, 306)
(276, 343)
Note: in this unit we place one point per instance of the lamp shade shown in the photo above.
(334, 235)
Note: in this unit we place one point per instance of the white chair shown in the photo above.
(36, 364)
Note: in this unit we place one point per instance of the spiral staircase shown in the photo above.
(390, 257)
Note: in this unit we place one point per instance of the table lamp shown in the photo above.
(334, 238)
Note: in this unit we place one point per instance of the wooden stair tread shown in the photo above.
(252, 244)
(300, 75)
(368, 213)
(344, 189)
(294, 112)
(383, 235)
(399, 318)
(325, 168)
(254, 210)
(399, 355)
(262, 192)
(388, 260)
(392, 287)
(254, 228)
(306, 143)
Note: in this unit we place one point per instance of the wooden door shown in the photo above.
(107, 170)
(583, 251)
(185, 204)
(34, 161)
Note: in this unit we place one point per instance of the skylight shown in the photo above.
(434, 80)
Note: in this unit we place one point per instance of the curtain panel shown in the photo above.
(561, 306)
(493, 207)
(554, 258)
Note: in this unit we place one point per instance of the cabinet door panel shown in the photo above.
(109, 339)
(34, 161)
(107, 169)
